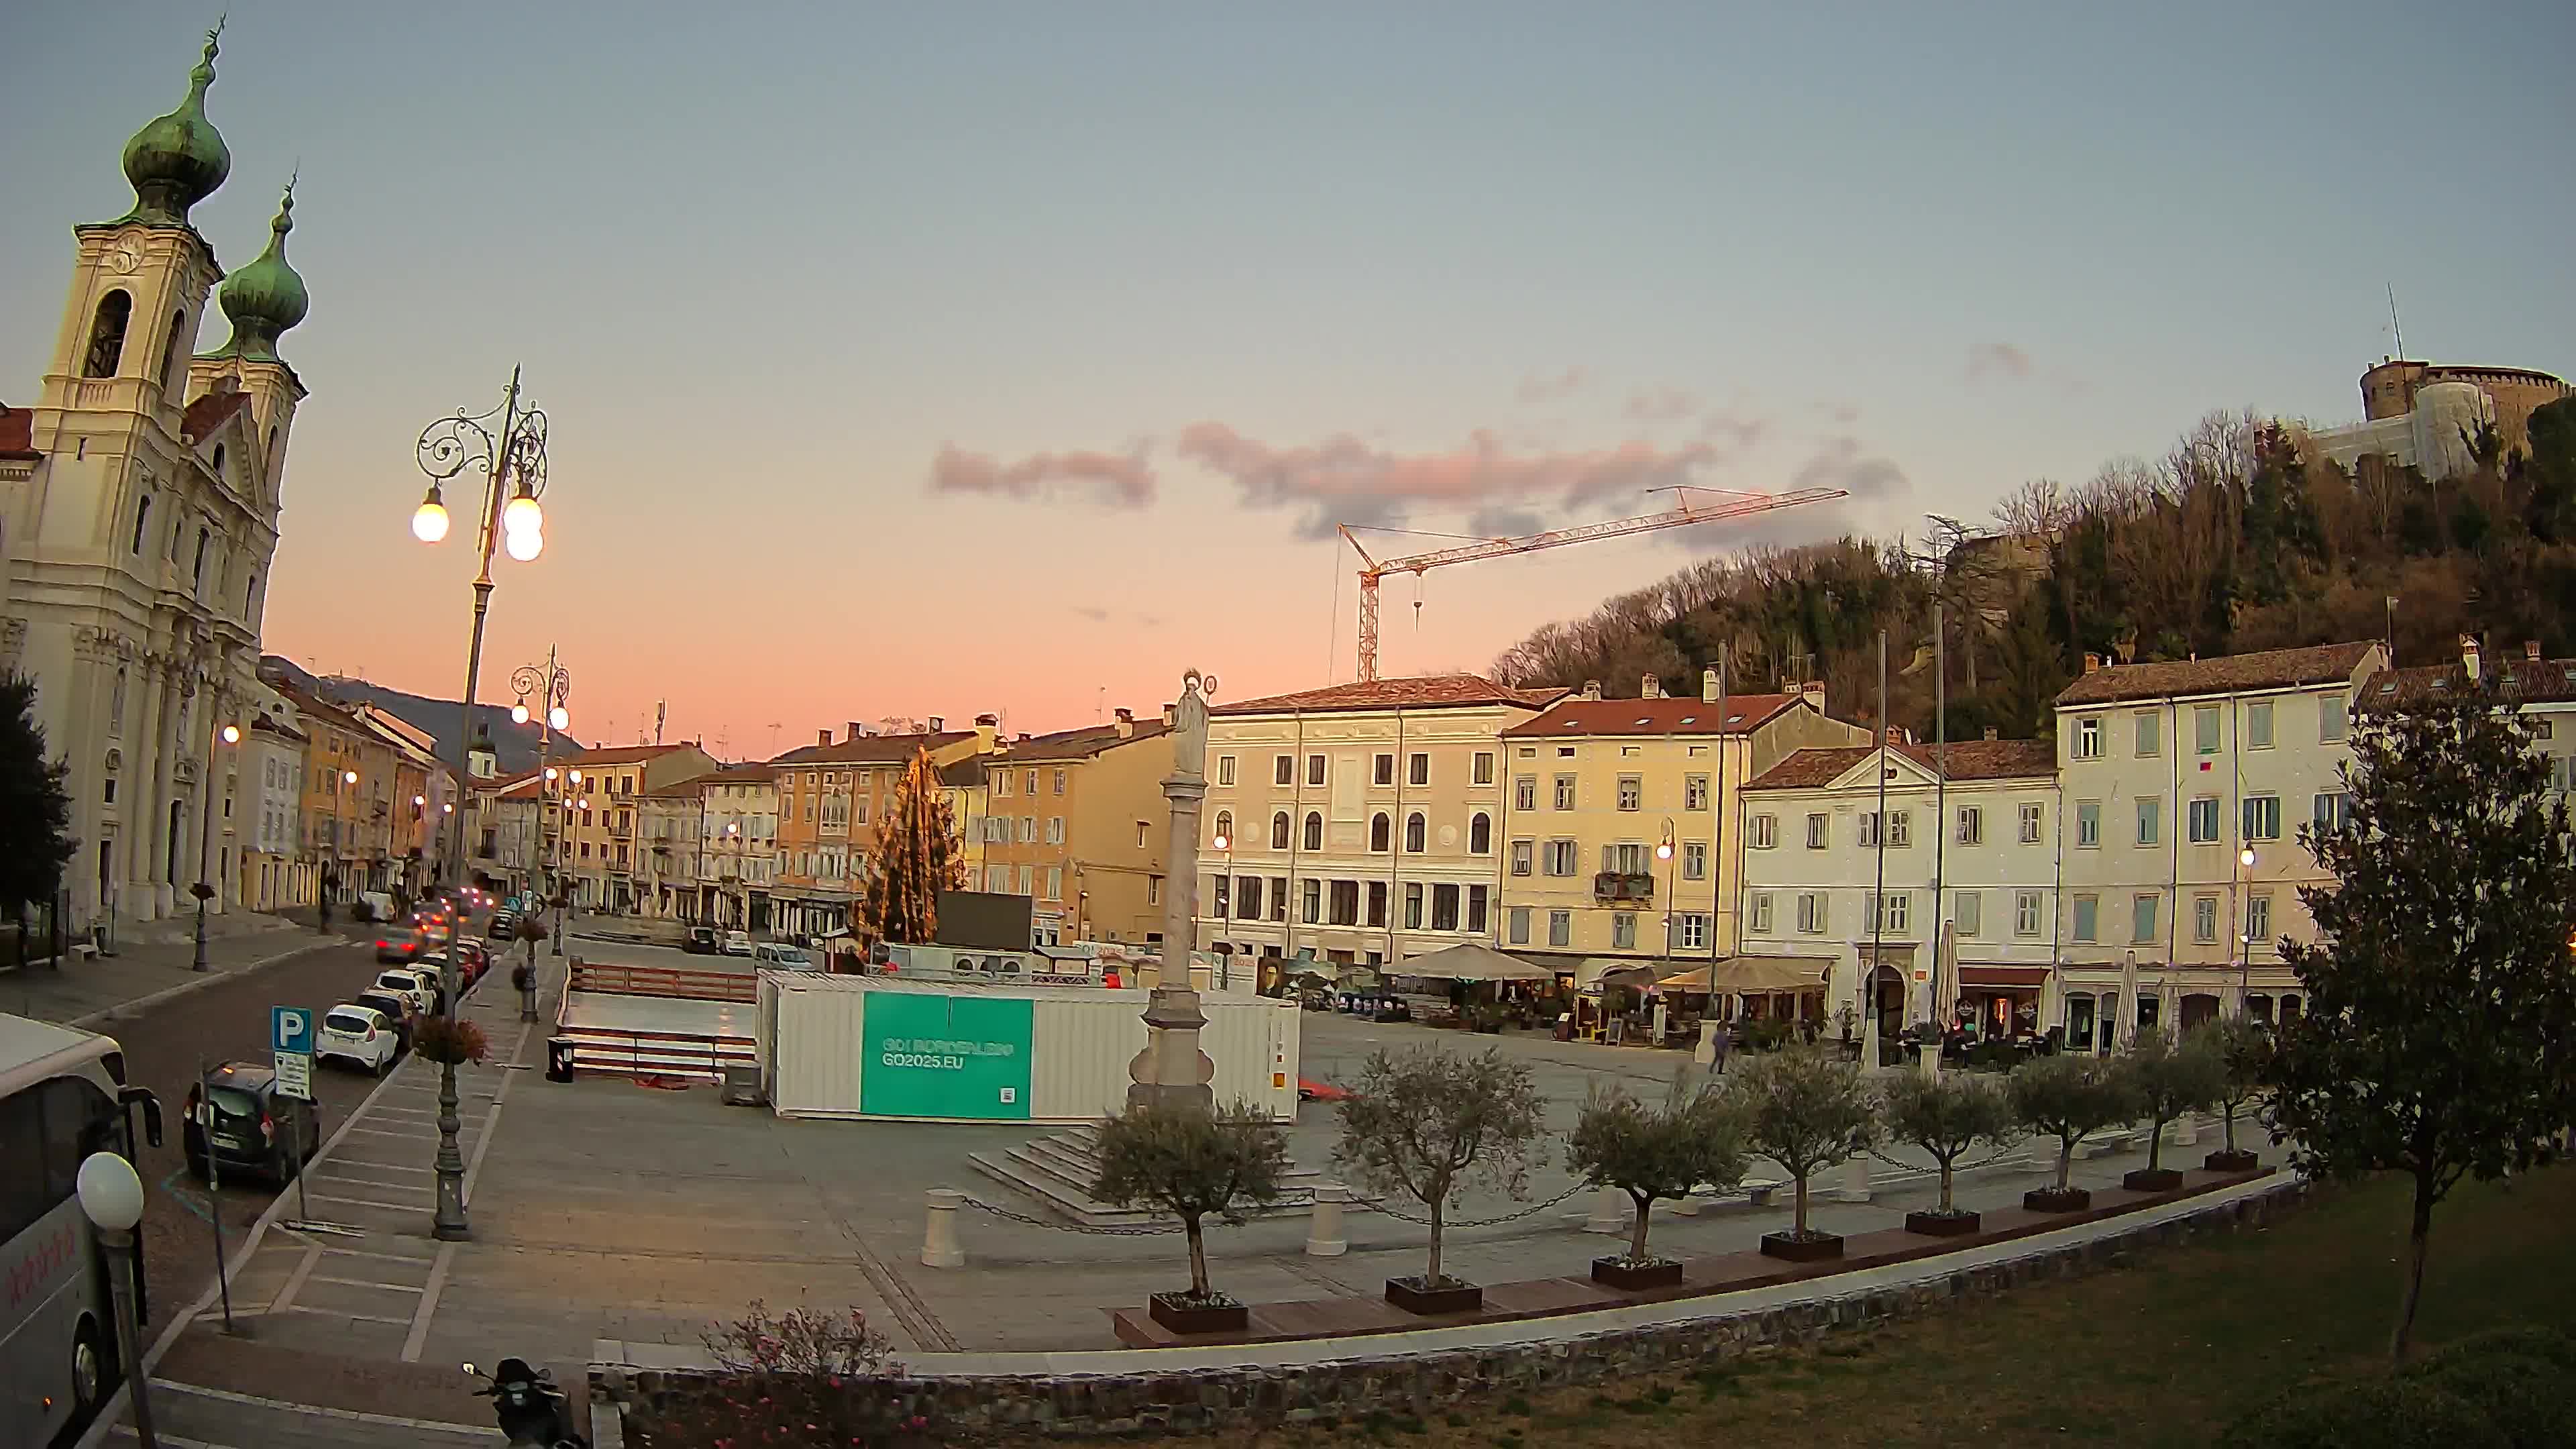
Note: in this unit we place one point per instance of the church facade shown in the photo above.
(141, 499)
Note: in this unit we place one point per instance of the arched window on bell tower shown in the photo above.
(170, 384)
(107, 334)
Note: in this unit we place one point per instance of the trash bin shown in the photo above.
(1565, 1026)
(559, 1059)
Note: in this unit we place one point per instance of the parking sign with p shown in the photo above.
(290, 1039)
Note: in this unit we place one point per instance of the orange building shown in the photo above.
(830, 798)
(1076, 821)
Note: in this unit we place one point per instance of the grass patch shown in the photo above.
(2161, 1354)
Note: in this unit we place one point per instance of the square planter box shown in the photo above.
(1413, 1296)
(2224, 1161)
(2050, 1200)
(1942, 1225)
(1616, 1273)
(1817, 1249)
(1168, 1310)
(2152, 1179)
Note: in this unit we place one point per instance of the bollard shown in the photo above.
(1324, 1233)
(1609, 1212)
(2186, 1130)
(1687, 1205)
(1855, 1186)
(939, 1247)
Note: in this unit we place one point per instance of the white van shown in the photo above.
(788, 958)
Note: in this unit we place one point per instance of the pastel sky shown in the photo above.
(937, 359)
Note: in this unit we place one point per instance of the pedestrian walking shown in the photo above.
(1724, 1043)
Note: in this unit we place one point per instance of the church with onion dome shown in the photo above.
(141, 495)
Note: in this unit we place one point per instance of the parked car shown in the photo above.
(394, 1007)
(737, 943)
(360, 1035)
(788, 957)
(400, 945)
(241, 1119)
(702, 941)
(473, 958)
(414, 985)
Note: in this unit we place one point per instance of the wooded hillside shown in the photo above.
(2232, 541)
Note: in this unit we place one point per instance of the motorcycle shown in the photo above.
(531, 1410)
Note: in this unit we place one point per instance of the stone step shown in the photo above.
(1058, 1173)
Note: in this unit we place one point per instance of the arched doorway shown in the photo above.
(1887, 997)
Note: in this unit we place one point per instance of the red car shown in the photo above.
(1310, 1090)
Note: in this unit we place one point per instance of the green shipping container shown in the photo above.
(946, 1056)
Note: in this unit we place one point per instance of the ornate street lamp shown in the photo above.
(228, 735)
(513, 464)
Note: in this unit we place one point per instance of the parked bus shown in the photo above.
(63, 1096)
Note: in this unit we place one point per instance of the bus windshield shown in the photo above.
(60, 1101)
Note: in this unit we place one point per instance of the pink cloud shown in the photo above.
(1109, 479)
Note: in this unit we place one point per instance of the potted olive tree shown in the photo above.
(1192, 1163)
(1649, 1153)
(2169, 1078)
(2243, 1047)
(1947, 1116)
(1807, 1110)
(1426, 1123)
(2069, 1098)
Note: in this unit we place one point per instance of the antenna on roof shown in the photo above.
(658, 707)
(2395, 329)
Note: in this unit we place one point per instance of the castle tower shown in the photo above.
(137, 543)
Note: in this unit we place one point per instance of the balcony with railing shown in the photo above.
(1622, 885)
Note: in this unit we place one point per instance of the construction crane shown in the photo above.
(1734, 504)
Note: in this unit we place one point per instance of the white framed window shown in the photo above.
(1525, 792)
(1311, 908)
(1523, 853)
(1055, 830)
(1559, 856)
(1814, 908)
(2333, 810)
(1484, 768)
(2087, 922)
(2204, 919)
(2026, 908)
(1632, 792)
(1314, 769)
(1623, 930)
(1565, 792)
(1283, 771)
(2258, 917)
(1694, 860)
(2088, 823)
(1900, 828)
(1972, 825)
(2204, 729)
(2204, 820)
(2262, 817)
(1417, 769)
(1869, 831)
(1762, 832)
(2258, 725)
(1895, 910)
(1694, 931)
(1560, 928)
(1518, 919)
(1968, 913)
(1382, 769)
(2151, 731)
(2330, 719)
(2142, 918)
(1694, 792)
(1225, 769)
(1819, 830)
(1761, 911)
(2034, 821)
(2151, 818)
(2088, 737)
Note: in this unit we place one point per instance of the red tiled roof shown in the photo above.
(2547, 681)
(1967, 760)
(207, 413)
(2226, 674)
(18, 434)
(1079, 744)
(1744, 713)
(872, 749)
(1435, 691)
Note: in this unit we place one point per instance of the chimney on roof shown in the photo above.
(994, 720)
(1126, 724)
(939, 724)
(822, 736)
(2092, 662)
(852, 730)
(1592, 689)
(2531, 650)
(2469, 657)
(1651, 687)
(1990, 732)
(1813, 692)
(1708, 686)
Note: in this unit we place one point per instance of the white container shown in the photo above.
(886, 1049)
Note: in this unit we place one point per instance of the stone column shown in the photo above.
(939, 1245)
(1171, 1069)
(1325, 1236)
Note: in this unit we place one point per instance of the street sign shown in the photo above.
(290, 1040)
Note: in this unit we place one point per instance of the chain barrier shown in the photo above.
(1124, 1230)
(1375, 1205)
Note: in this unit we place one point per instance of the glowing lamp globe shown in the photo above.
(524, 544)
(429, 521)
(559, 717)
(232, 734)
(110, 1194)
(523, 514)
(519, 713)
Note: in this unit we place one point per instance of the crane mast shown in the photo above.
(1735, 505)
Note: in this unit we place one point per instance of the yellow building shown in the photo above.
(1600, 786)
(347, 823)
(1076, 821)
(830, 798)
(1363, 822)
(597, 797)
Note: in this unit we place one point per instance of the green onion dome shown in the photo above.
(178, 160)
(266, 297)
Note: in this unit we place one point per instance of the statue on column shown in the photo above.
(1171, 1069)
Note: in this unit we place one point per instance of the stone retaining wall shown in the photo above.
(1385, 1377)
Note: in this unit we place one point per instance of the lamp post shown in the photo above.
(228, 735)
(551, 683)
(513, 464)
(2244, 929)
(111, 1197)
(1224, 841)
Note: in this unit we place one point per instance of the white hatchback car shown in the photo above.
(737, 943)
(357, 1034)
(412, 984)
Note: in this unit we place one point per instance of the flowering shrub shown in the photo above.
(451, 1041)
(795, 1378)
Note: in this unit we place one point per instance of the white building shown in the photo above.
(268, 808)
(1967, 844)
(1362, 820)
(2185, 784)
(738, 849)
(140, 513)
